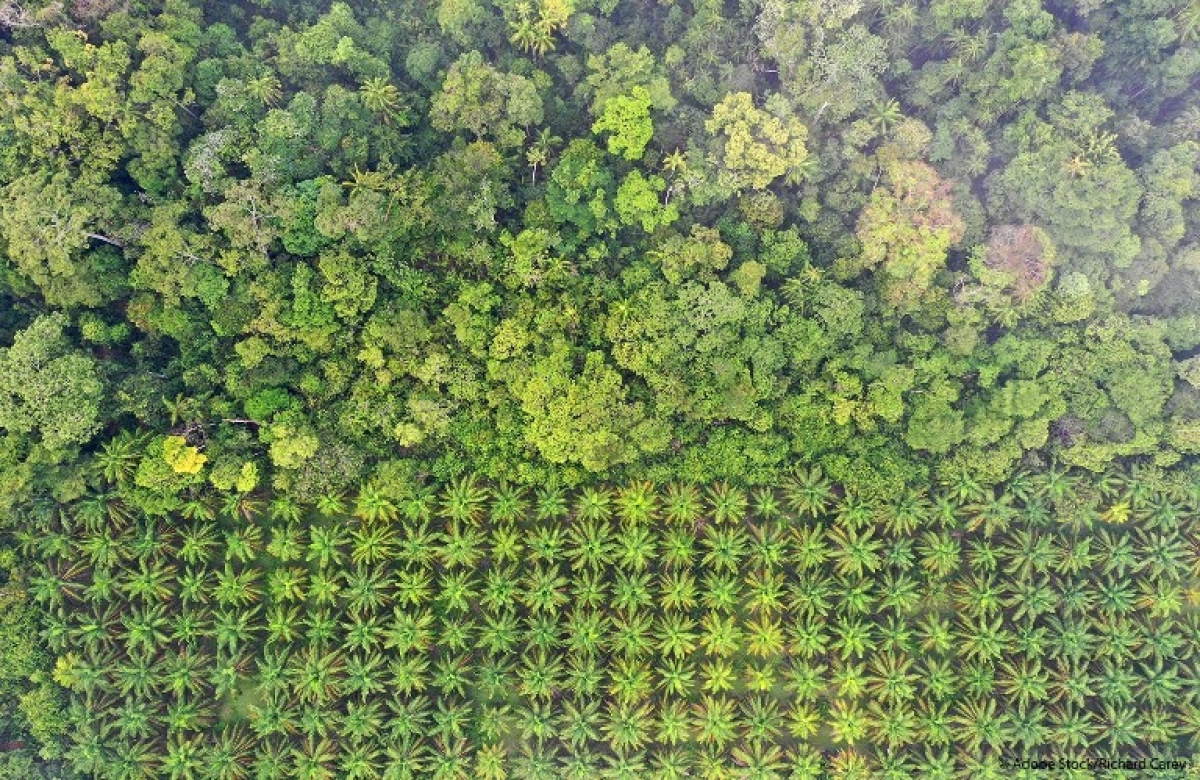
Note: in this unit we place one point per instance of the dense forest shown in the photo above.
(578, 388)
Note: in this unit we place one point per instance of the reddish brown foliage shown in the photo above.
(1019, 250)
(88, 10)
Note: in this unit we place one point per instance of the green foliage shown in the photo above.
(927, 268)
(637, 203)
(585, 419)
(49, 388)
(484, 101)
(627, 119)
(756, 146)
(182, 458)
(907, 228)
(50, 224)
(707, 625)
(621, 71)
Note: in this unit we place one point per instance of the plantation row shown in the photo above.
(635, 632)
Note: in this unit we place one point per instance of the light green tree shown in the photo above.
(756, 146)
(627, 120)
(47, 387)
(585, 419)
(637, 202)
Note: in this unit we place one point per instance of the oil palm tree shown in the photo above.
(940, 553)
(287, 584)
(682, 503)
(767, 503)
(589, 589)
(540, 677)
(537, 760)
(508, 503)
(594, 505)
(848, 722)
(714, 721)
(885, 115)
(550, 503)
(678, 548)
(984, 640)
(632, 591)
(765, 591)
(241, 506)
(371, 544)
(579, 764)
(637, 502)
(1072, 728)
(185, 756)
(545, 543)
(807, 492)
(630, 678)
(545, 589)
(634, 547)
(583, 676)
(855, 512)
(531, 32)
(382, 98)
(500, 588)
(726, 503)
(243, 543)
(627, 726)
(464, 500)
(363, 631)
(676, 636)
(586, 630)
(721, 592)
(282, 625)
(893, 680)
(56, 581)
(769, 547)
(725, 546)
(373, 506)
(978, 595)
(314, 759)
(150, 540)
(542, 631)
(227, 674)
(284, 509)
(265, 89)
(897, 727)
(907, 513)
(417, 544)
(233, 628)
(118, 458)
(237, 588)
(851, 637)
(104, 586)
(507, 544)
(589, 544)
(677, 679)
(362, 759)
(419, 504)
(853, 552)
(325, 545)
(331, 503)
(145, 627)
(677, 590)
(461, 545)
(197, 543)
(631, 635)
(456, 591)
(808, 546)
(1032, 598)
(490, 762)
